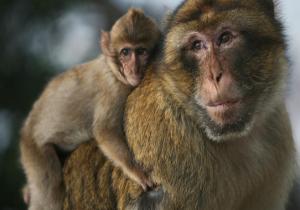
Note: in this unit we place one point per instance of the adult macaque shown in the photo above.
(209, 120)
(87, 102)
(219, 133)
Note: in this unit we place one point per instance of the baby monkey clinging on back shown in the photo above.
(84, 103)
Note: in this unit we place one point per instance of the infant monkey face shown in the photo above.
(134, 60)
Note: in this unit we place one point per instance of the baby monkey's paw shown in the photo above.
(142, 179)
(26, 194)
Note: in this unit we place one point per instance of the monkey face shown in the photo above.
(130, 45)
(133, 60)
(133, 39)
(232, 60)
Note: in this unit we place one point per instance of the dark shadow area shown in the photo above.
(294, 202)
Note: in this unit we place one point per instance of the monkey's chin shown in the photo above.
(234, 132)
(134, 81)
(227, 123)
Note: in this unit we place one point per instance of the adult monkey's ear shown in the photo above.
(105, 43)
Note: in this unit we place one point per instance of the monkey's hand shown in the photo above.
(138, 175)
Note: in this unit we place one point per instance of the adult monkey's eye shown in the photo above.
(125, 52)
(225, 38)
(197, 45)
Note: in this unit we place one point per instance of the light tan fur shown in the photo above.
(84, 103)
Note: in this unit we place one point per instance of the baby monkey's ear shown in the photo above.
(105, 43)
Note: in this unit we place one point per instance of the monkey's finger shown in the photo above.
(149, 183)
(144, 186)
(26, 195)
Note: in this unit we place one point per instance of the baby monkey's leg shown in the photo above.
(44, 189)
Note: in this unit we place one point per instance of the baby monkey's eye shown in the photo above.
(125, 52)
(225, 38)
(141, 51)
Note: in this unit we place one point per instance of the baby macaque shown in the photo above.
(84, 103)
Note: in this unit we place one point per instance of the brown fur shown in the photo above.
(166, 127)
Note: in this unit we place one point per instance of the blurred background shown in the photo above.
(41, 38)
